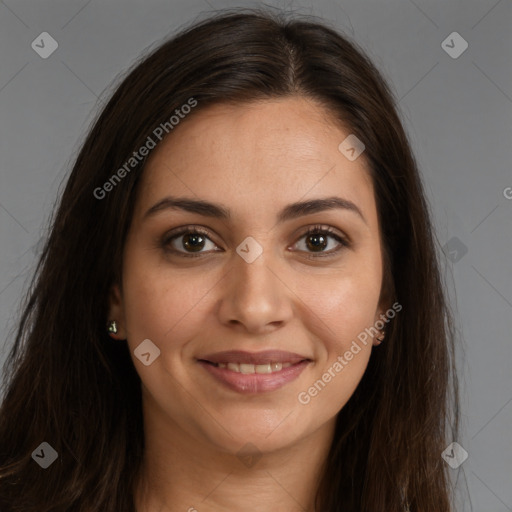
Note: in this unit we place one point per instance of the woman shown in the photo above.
(239, 303)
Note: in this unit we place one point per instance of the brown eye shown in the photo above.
(193, 241)
(318, 239)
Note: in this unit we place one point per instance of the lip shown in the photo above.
(255, 382)
(264, 357)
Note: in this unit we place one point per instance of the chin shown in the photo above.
(251, 434)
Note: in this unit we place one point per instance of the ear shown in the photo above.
(385, 302)
(381, 320)
(116, 312)
(383, 306)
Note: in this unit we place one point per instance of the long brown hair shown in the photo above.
(68, 384)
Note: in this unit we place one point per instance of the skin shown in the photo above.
(254, 159)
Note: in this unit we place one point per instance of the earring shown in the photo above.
(381, 339)
(112, 327)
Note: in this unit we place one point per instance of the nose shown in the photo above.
(255, 296)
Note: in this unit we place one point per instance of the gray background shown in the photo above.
(457, 111)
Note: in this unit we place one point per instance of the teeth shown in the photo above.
(254, 368)
(276, 367)
(246, 368)
(263, 368)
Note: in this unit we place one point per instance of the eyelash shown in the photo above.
(196, 230)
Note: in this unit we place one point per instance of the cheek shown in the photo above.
(346, 308)
(162, 305)
(345, 303)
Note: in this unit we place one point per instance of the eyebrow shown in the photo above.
(289, 212)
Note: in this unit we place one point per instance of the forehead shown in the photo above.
(256, 156)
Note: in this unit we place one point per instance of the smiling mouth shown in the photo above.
(248, 369)
(251, 378)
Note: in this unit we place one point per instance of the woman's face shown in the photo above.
(252, 280)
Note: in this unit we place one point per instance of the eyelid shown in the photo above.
(342, 239)
(325, 228)
(184, 230)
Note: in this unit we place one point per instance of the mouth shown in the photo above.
(247, 372)
(255, 358)
(248, 369)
